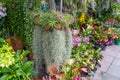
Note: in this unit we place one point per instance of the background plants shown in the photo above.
(15, 18)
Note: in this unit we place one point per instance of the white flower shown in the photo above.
(70, 61)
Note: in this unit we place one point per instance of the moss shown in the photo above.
(51, 47)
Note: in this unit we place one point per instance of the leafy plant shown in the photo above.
(48, 19)
(15, 17)
(12, 66)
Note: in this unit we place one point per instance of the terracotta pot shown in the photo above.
(36, 21)
(58, 27)
(62, 28)
(47, 28)
(9, 41)
(17, 44)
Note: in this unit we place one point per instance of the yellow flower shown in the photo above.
(82, 17)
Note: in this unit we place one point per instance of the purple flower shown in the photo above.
(60, 17)
(87, 40)
(74, 20)
(77, 41)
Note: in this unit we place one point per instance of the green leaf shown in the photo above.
(5, 77)
(25, 53)
(19, 72)
(15, 66)
(4, 70)
(27, 65)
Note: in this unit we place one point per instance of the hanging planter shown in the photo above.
(59, 27)
(36, 20)
(103, 47)
(47, 28)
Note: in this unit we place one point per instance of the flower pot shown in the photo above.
(118, 42)
(58, 27)
(9, 41)
(75, 32)
(96, 46)
(36, 20)
(103, 48)
(47, 28)
(17, 44)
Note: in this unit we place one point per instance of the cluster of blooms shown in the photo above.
(47, 78)
(77, 41)
(2, 11)
(78, 77)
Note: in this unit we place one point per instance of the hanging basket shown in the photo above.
(47, 28)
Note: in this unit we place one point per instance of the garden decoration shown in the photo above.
(44, 5)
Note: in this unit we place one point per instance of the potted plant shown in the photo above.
(12, 66)
(118, 41)
(48, 20)
(54, 20)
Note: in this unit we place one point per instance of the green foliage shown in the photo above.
(28, 25)
(19, 69)
(6, 54)
(86, 32)
(12, 66)
(15, 18)
(48, 19)
(116, 6)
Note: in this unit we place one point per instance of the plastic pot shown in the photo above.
(118, 42)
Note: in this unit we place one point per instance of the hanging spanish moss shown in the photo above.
(51, 48)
